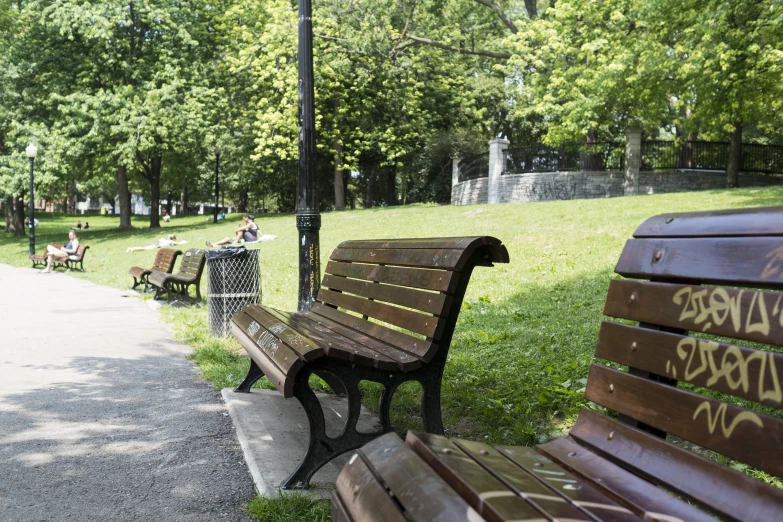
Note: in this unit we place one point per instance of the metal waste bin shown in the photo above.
(233, 281)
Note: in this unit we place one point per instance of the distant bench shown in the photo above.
(164, 262)
(68, 262)
(177, 286)
(619, 469)
(385, 313)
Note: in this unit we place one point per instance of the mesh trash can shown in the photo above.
(233, 281)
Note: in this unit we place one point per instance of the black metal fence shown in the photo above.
(474, 167)
(709, 155)
(602, 156)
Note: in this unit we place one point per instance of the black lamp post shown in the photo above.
(308, 219)
(217, 185)
(31, 152)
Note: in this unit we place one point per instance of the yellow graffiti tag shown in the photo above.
(720, 415)
(775, 265)
(733, 367)
(714, 306)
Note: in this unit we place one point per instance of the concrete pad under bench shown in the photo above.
(273, 432)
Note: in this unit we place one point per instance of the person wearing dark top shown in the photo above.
(86, 225)
(79, 225)
(68, 250)
(247, 233)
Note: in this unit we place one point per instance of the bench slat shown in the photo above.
(449, 259)
(426, 242)
(406, 342)
(335, 345)
(426, 325)
(281, 355)
(567, 485)
(755, 261)
(761, 221)
(304, 348)
(282, 381)
(362, 497)
(403, 360)
(640, 496)
(748, 373)
(483, 489)
(744, 314)
(721, 489)
(419, 490)
(750, 437)
(428, 302)
(441, 280)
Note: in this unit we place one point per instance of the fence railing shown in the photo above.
(709, 155)
(599, 156)
(474, 167)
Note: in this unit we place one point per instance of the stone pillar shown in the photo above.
(633, 161)
(496, 159)
(454, 178)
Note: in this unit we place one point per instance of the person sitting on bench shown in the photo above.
(68, 250)
(247, 233)
(162, 243)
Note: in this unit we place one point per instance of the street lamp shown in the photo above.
(308, 219)
(217, 186)
(32, 152)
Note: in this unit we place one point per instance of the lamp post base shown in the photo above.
(308, 223)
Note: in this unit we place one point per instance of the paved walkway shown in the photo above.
(101, 416)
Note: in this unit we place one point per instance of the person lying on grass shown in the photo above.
(162, 243)
(247, 233)
(68, 250)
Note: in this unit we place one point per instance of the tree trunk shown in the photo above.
(391, 186)
(155, 192)
(121, 178)
(531, 8)
(243, 199)
(8, 209)
(735, 157)
(183, 201)
(19, 216)
(368, 194)
(339, 187)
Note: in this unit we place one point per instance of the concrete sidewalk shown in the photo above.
(101, 415)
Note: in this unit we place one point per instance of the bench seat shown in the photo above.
(702, 395)
(385, 312)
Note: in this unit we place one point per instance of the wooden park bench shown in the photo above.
(164, 262)
(690, 277)
(68, 262)
(177, 286)
(385, 313)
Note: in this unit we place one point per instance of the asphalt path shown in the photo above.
(102, 417)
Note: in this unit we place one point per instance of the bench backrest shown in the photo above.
(192, 264)
(693, 285)
(416, 285)
(80, 252)
(165, 259)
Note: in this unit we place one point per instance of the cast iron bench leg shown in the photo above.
(253, 374)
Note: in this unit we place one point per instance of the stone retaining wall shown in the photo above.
(550, 186)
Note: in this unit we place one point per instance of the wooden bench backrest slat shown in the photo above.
(440, 280)
(427, 243)
(751, 374)
(723, 490)
(740, 261)
(165, 259)
(428, 302)
(750, 437)
(192, 263)
(413, 321)
(444, 259)
(414, 345)
(752, 315)
(761, 221)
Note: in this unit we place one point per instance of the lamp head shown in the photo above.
(217, 151)
(31, 151)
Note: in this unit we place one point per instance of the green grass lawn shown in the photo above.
(518, 362)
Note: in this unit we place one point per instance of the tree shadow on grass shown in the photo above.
(140, 438)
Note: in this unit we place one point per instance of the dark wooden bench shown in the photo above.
(177, 286)
(69, 263)
(164, 262)
(385, 312)
(40, 260)
(689, 277)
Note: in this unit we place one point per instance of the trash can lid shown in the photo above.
(227, 252)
